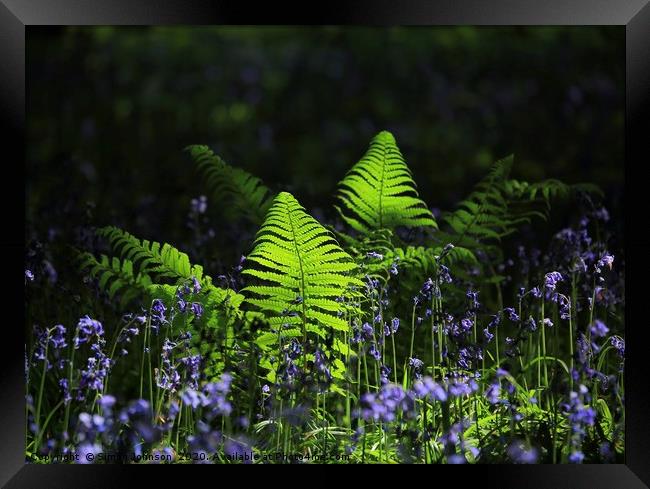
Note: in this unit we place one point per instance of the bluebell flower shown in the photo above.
(520, 453)
(426, 387)
(488, 335)
(158, 310)
(196, 285)
(193, 365)
(598, 329)
(374, 351)
(551, 279)
(444, 275)
(106, 402)
(576, 457)
(57, 337)
(29, 275)
(493, 393)
(474, 304)
(512, 315)
(385, 405)
(375, 255)
(200, 205)
(86, 329)
(606, 260)
(367, 332)
(197, 309)
(416, 363)
(547, 323)
(65, 389)
(619, 345)
(85, 449)
(384, 373)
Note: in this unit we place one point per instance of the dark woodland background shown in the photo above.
(111, 109)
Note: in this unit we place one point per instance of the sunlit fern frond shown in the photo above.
(379, 191)
(303, 272)
(152, 258)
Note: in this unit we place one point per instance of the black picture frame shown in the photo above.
(16, 17)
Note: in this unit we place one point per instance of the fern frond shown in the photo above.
(379, 191)
(302, 270)
(152, 258)
(486, 214)
(240, 193)
(498, 205)
(115, 277)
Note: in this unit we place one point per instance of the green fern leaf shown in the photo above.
(152, 258)
(302, 269)
(115, 277)
(241, 193)
(379, 191)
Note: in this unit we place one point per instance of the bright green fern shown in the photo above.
(304, 273)
(151, 258)
(379, 191)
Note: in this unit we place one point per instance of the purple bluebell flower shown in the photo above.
(520, 453)
(86, 329)
(29, 275)
(576, 457)
(493, 393)
(367, 332)
(374, 351)
(512, 315)
(65, 389)
(158, 310)
(57, 337)
(547, 323)
(427, 387)
(416, 364)
(474, 304)
(598, 329)
(197, 309)
(443, 274)
(488, 335)
(619, 345)
(384, 405)
(606, 260)
(374, 255)
(551, 279)
(394, 325)
(199, 205)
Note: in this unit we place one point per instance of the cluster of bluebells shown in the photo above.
(455, 445)
(184, 293)
(387, 404)
(175, 367)
(580, 415)
(213, 397)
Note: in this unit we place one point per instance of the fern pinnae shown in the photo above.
(241, 193)
(379, 191)
(302, 268)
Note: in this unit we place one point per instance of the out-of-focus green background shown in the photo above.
(111, 109)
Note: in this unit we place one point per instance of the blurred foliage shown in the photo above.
(111, 109)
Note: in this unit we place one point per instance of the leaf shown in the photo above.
(238, 193)
(379, 191)
(301, 269)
